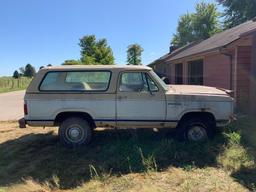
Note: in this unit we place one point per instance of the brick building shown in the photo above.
(226, 60)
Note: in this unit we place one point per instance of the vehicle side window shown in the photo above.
(76, 81)
(152, 85)
(136, 82)
(50, 79)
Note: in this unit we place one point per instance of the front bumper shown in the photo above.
(223, 123)
(22, 123)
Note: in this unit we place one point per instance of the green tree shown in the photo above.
(16, 74)
(72, 62)
(184, 33)
(206, 20)
(197, 26)
(238, 11)
(95, 51)
(134, 52)
(29, 71)
(22, 71)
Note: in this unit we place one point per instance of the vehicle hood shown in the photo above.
(196, 90)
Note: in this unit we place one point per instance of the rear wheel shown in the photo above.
(196, 130)
(75, 132)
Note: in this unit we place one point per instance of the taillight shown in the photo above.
(25, 109)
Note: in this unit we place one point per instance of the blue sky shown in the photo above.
(48, 31)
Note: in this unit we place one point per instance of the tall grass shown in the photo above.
(127, 160)
(10, 84)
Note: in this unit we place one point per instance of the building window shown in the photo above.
(179, 73)
(195, 72)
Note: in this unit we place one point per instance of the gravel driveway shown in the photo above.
(11, 105)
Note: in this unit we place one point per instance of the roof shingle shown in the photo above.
(219, 40)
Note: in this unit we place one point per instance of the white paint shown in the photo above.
(135, 109)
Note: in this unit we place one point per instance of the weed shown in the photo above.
(112, 163)
(99, 177)
(189, 167)
(234, 157)
(93, 172)
(253, 187)
(53, 183)
(233, 138)
(148, 162)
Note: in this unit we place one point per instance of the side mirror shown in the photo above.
(166, 80)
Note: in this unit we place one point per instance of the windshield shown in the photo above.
(159, 80)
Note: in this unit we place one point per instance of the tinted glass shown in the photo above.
(76, 81)
(179, 73)
(152, 85)
(195, 72)
(136, 82)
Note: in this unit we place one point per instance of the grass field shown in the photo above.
(127, 160)
(8, 84)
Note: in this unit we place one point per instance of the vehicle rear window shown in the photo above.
(76, 81)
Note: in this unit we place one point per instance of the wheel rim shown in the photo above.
(75, 133)
(197, 133)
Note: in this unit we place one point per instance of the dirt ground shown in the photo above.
(11, 105)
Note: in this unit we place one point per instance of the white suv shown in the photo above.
(81, 98)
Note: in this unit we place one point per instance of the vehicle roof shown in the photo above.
(96, 67)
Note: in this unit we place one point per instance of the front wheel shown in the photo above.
(75, 132)
(196, 130)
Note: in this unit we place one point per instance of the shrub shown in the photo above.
(234, 157)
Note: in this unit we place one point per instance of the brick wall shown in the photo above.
(243, 76)
(217, 71)
(253, 75)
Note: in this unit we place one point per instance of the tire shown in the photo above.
(196, 130)
(75, 132)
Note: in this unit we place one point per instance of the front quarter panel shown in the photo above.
(179, 105)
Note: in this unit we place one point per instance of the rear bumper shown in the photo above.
(22, 123)
(35, 123)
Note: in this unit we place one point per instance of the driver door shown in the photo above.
(140, 102)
